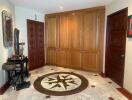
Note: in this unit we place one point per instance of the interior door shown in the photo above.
(40, 44)
(35, 44)
(116, 40)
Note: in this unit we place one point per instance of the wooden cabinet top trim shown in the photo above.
(75, 11)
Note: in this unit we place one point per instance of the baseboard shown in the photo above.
(125, 93)
(4, 87)
(103, 74)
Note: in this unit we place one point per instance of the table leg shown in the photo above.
(22, 78)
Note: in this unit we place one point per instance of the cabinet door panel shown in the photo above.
(75, 30)
(51, 56)
(89, 61)
(51, 32)
(90, 37)
(61, 58)
(74, 59)
(63, 31)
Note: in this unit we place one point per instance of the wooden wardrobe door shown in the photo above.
(63, 32)
(89, 41)
(51, 32)
(61, 53)
(35, 44)
(51, 44)
(90, 38)
(74, 30)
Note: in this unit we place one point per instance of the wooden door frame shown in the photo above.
(107, 40)
(27, 21)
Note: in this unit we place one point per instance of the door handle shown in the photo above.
(122, 55)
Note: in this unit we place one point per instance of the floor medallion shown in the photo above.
(61, 83)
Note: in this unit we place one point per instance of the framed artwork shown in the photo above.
(129, 34)
(7, 27)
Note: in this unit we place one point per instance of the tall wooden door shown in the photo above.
(35, 44)
(116, 40)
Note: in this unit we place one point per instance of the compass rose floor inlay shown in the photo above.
(61, 83)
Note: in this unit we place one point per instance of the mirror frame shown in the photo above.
(7, 36)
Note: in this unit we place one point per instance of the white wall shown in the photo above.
(4, 5)
(111, 8)
(19, 18)
(21, 15)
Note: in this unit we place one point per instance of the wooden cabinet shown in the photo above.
(75, 39)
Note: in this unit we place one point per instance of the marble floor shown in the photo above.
(99, 88)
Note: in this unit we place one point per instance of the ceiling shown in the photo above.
(52, 6)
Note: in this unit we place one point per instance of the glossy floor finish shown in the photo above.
(99, 88)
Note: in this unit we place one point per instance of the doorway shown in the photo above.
(115, 45)
(35, 44)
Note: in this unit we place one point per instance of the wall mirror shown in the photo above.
(7, 27)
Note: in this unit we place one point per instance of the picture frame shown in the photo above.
(129, 33)
(7, 28)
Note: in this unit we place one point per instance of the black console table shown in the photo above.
(23, 63)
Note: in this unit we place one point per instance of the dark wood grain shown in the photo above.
(115, 46)
(75, 39)
(35, 44)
